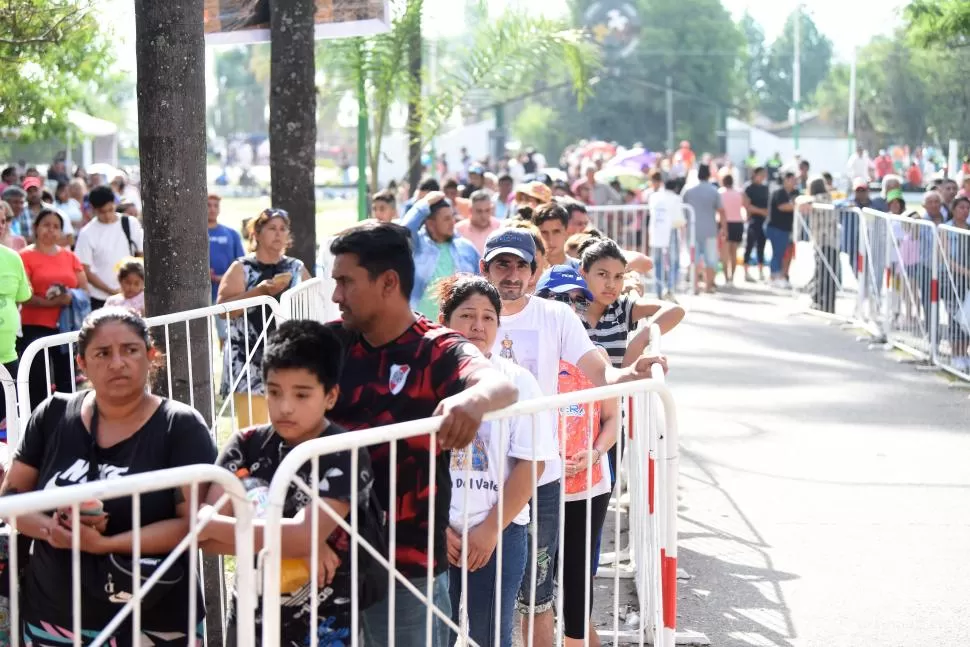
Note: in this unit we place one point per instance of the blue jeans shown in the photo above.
(409, 616)
(542, 567)
(480, 601)
(779, 245)
(666, 265)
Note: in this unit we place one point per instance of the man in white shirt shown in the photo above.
(666, 218)
(104, 242)
(536, 334)
(859, 164)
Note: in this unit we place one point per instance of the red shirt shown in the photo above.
(884, 166)
(401, 381)
(43, 271)
(914, 176)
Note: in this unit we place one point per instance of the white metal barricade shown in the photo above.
(11, 420)
(954, 317)
(654, 541)
(627, 226)
(69, 499)
(311, 299)
(818, 267)
(175, 339)
(909, 296)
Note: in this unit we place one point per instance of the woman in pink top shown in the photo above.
(732, 229)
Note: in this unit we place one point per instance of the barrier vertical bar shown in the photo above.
(933, 316)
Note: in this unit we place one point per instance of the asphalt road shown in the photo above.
(825, 489)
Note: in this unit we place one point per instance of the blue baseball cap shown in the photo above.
(510, 241)
(476, 169)
(562, 278)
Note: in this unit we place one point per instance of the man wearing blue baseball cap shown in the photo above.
(536, 334)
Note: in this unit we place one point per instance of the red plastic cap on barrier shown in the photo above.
(934, 290)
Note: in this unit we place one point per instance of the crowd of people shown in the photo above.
(460, 299)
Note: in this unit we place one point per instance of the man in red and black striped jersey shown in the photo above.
(399, 367)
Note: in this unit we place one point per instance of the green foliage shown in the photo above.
(242, 78)
(697, 44)
(51, 54)
(904, 93)
(816, 56)
(939, 22)
(754, 63)
(536, 123)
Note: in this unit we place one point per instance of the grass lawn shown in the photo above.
(332, 215)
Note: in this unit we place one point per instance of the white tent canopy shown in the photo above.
(91, 126)
(99, 139)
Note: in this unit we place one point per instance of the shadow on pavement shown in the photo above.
(734, 594)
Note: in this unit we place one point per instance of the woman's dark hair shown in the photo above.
(254, 226)
(524, 213)
(46, 196)
(100, 196)
(727, 181)
(112, 314)
(597, 250)
(129, 268)
(379, 247)
(956, 201)
(48, 211)
(306, 344)
(550, 211)
(61, 186)
(455, 290)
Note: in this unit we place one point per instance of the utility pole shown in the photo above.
(797, 74)
(852, 100)
(670, 113)
(293, 121)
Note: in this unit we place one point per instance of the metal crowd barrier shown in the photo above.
(70, 499)
(627, 225)
(310, 300)
(911, 279)
(653, 537)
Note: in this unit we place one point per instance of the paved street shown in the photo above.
(825, 489)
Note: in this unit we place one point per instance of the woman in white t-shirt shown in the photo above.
(504, 460)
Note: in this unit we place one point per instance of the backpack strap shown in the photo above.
(126, 227)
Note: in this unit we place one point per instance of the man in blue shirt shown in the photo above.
(225, 246)
(438, 251)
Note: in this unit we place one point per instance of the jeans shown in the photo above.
(409, 616)
(480, 599)
(779, 245)
(542, 566)
(666, 265)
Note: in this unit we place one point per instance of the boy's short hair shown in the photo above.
(306, 344)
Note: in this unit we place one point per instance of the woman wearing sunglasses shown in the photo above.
(267, 271)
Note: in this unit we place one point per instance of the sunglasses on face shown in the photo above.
(578, 302)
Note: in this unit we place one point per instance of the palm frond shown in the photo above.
(504, 51)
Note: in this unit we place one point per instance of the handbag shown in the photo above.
(110, 578)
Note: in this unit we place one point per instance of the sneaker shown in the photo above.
(748, 278)
(669, 296)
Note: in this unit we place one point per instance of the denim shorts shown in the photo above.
(707, 251)
(542, 566)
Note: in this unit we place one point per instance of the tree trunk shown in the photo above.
(171, 143)
(293, 121)
(415, 168)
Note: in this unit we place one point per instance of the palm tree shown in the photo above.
(494, 59)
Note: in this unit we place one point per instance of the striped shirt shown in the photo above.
(613, 328)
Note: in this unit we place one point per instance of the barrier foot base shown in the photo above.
(691, 638)
(621, 571)
(960, 386)
(613, 557)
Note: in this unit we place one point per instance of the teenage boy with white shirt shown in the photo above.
(536, 334)
(666, 218)
(102, 243)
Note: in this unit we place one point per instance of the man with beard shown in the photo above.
(536, 334)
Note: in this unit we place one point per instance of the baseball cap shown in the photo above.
(562, 278)
(895, 194)
(510, 241)
(859, 183)
(475, 169)
(536, 190)
(33, 182)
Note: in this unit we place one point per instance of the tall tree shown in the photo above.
(755, 61)
(292, 121)
(51, 52)
(171, 141)
(939, 22)
(415, 59)
(816, 57)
